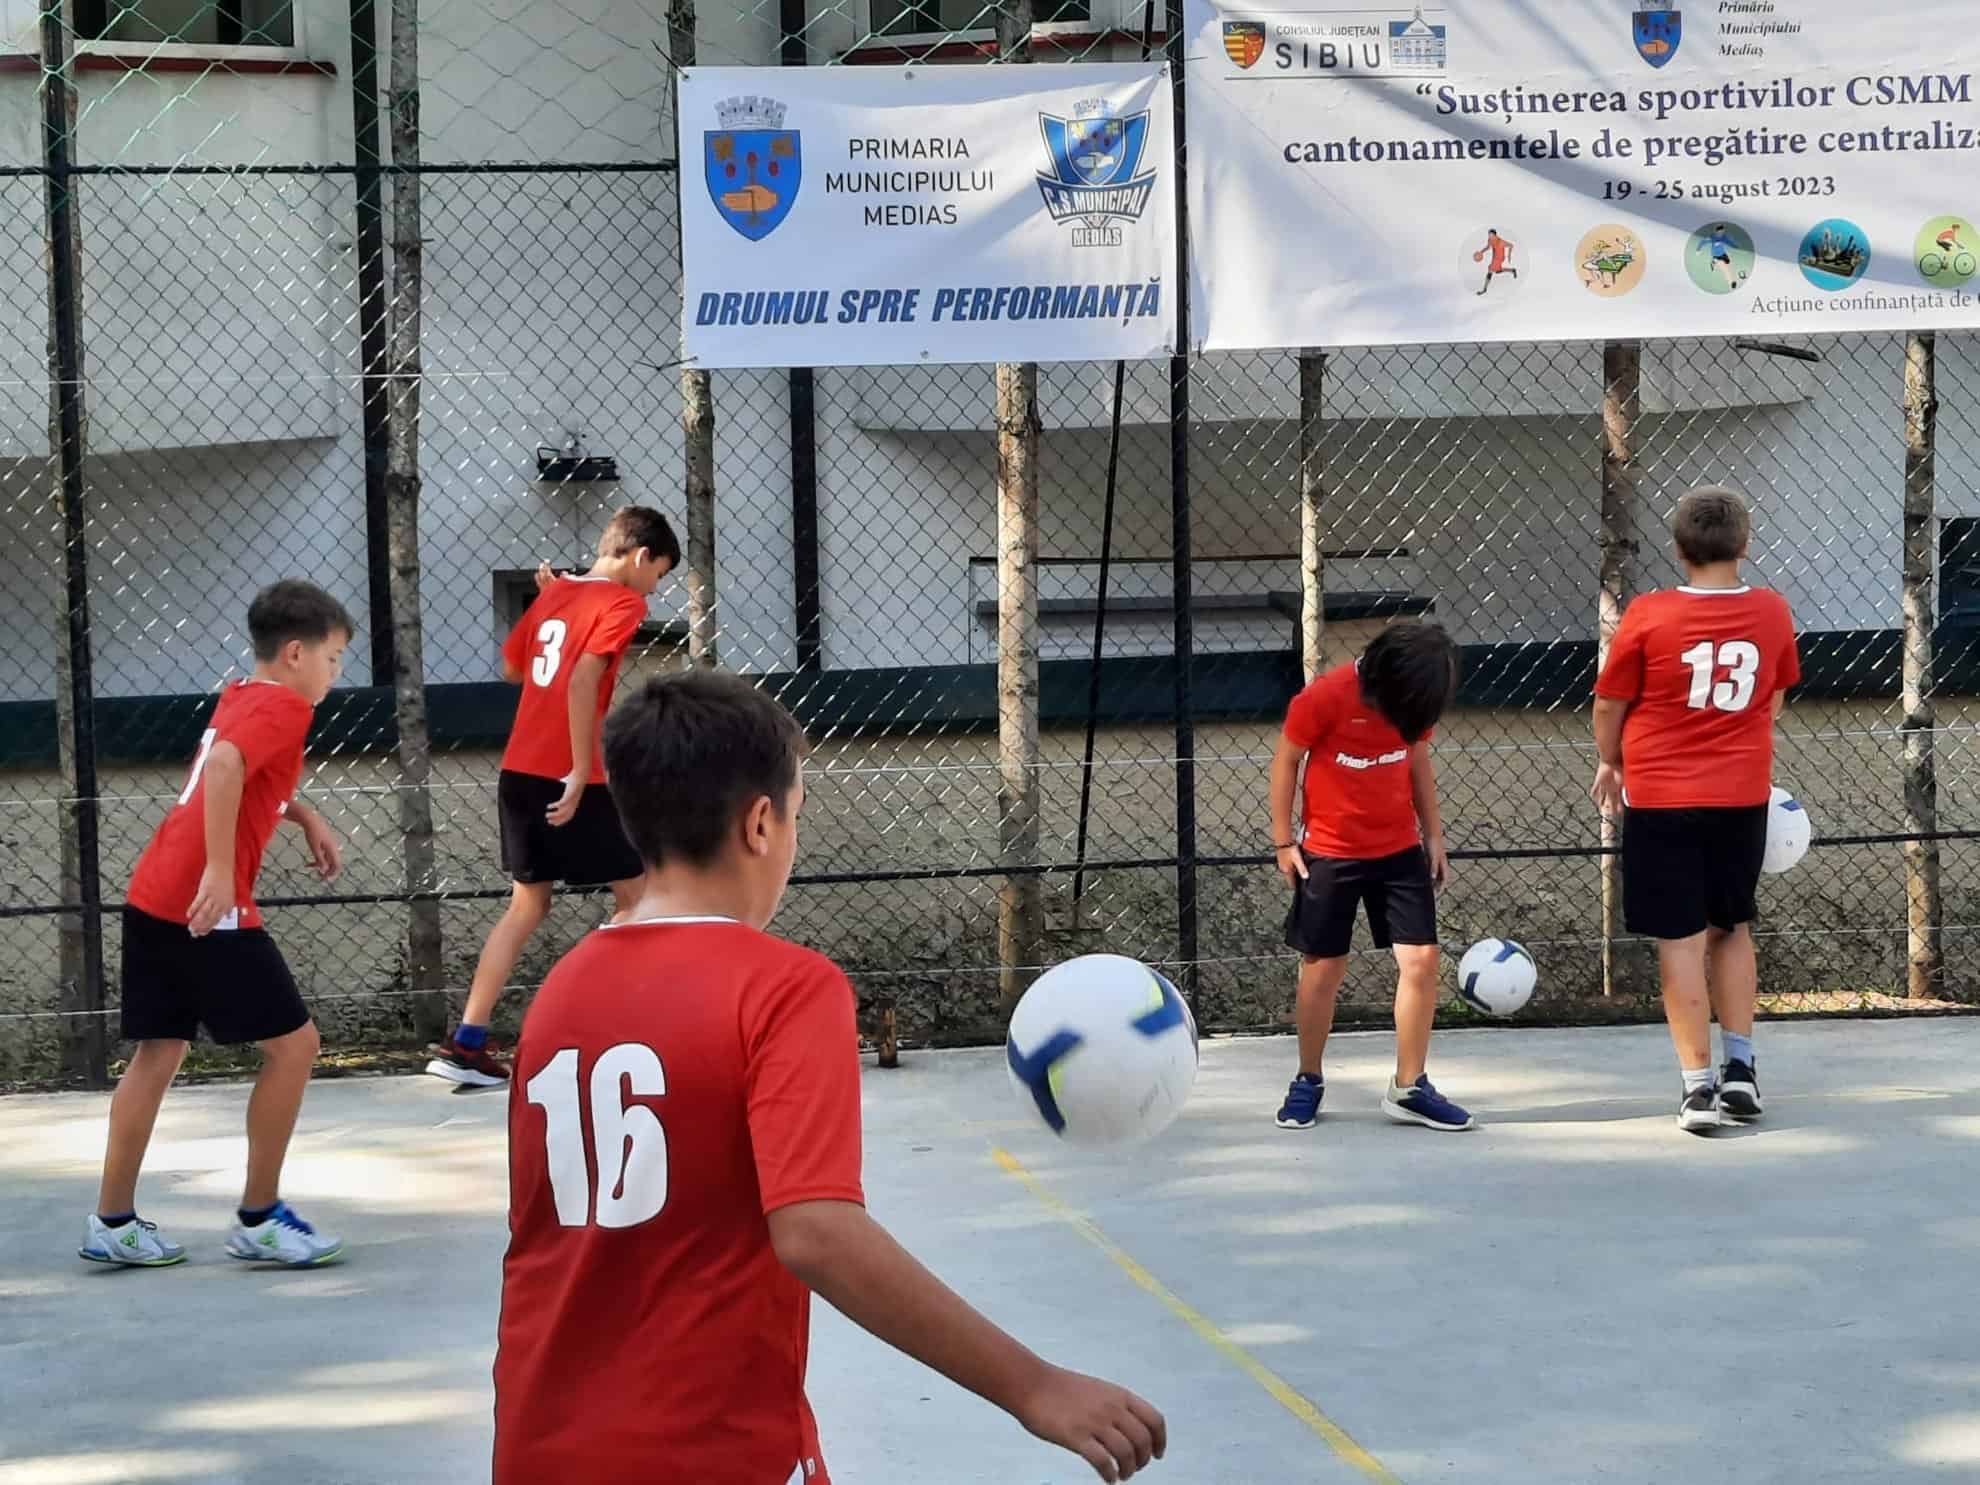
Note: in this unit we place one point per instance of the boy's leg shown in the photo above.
(1740, 848)
(529, 905)
(1667, 862)
(272, 1108)
(1320, 926)
(1402, 915)
(1313, 1013)
(133, 1114)
(1687, 1008)
(1416, 1009)
(1734, 971)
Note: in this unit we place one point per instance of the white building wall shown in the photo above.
(221, 348)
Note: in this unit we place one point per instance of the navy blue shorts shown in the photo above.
(1396, 890)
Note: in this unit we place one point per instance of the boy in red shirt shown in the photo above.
(1684, 728)
(1371, 836)
(557, 818)
(684, 1157)
(195, 952)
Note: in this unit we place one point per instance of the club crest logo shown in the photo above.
(753, 165)
(1659, 30)
(1095, 156)
(1244, 42)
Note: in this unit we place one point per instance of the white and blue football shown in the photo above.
(1497, 976)
(1102, 1050)
(1789, 831)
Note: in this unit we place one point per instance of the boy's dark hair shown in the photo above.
(294, 609)
(1711, 525)
(688, 752)
(1409, 673)
(636, 526)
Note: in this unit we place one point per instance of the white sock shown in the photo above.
(1698, 1077)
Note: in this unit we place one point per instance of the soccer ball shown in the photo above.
(1496, 975)
(1103, 1050)
(1788, 832)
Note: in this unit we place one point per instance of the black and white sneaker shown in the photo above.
(1699, 1113)
(1739, 1090)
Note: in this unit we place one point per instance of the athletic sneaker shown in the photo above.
(1422, 1104)
(285, 1239)
(1301, 1110)
(1699, 1113)
(478, 1068)
(1739, 1090)
(135, 1244)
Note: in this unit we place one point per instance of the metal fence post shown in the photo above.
(1180, 539)
(368, 185)
(805, 610)
(1924, 909)
(1622, 382)
(1312, 514)
(84, 1036)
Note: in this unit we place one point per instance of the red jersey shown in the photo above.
(268, 723)
(675, 1082)
(1700, 668)
(1358, 804)
(573, 616)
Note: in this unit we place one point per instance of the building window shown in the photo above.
(188, 22)
(1959, 573)
(939, 17)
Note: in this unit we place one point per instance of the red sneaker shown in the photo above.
(477, 1069)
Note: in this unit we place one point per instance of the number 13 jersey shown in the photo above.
(1700, 668)
(574, 616)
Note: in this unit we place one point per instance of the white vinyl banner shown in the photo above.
(861, 216)
(1580, 169)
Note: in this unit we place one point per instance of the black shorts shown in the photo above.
(234, 982)
(1688, 870)
(591, 849)
(1402, 903)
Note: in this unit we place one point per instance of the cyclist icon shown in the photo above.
(1949, 255)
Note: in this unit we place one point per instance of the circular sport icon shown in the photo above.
(1611, 260)
(1948, 252)
(1719, 257)
(1835, 254)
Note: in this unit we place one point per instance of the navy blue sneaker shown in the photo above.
(1739, 1090)
(1423, 1104)
(1301, 1110)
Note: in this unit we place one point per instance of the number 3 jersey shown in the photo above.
(573, 617)
(1700, 668)
(675, 1082)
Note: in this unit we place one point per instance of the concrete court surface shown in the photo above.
(1576, 1292)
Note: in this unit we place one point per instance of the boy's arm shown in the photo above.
(224, 776)
(324, 848)
(1423, 795)
(1607, 789)
(841, 1253)
(587, 675)
(1285, 798)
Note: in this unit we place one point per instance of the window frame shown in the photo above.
(204, 51)
(1102, 15)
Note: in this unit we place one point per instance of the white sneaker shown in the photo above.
(284, 1239)
(136, 1244)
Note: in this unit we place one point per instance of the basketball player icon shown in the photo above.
(1502, 255)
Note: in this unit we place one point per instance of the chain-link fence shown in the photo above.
(219, 221)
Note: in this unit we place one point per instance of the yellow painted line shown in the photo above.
(1281, 1391)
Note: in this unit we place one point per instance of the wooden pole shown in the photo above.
(424, 947)
(1312, 514)
(1021, 901)
(1622, 380)
(697, 421)
(1924, 908)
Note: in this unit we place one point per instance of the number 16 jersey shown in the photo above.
(1700, 668)
(574, 616)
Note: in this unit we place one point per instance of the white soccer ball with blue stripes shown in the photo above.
(1102, 1050)
(1497, 976)
(1788, 832)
